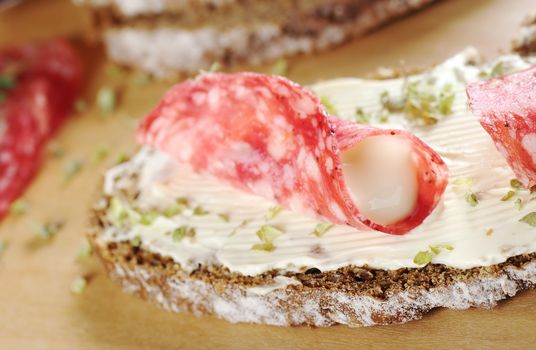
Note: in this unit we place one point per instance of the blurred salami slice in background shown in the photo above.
(507, 109)
(271, 137)
(38, 84)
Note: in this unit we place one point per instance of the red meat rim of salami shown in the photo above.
(271, 137)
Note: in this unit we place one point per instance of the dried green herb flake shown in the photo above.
(330, 108)
(135, 241)
(72, 168)
(268, 233)
(224, 217)
(321, 229)
(78, 285)
(515, 184)
(7, 82)
(117, 211)
(173, 211)
(85, 250)
(280, 67)
(423, 257)
(361, 117)
(497, 70)
(106, 99)
(101, 154)
(199, 211)
(122, 158)
(518, 203)
(48, 230)
(3, 246)
(471, 198)
(215, 67)
(19, 207)
(272, 212)
(149, 217)
(508, 195)
(181, 232)
(266, 247)
(529, 219)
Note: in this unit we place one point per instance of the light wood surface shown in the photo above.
(37, 311)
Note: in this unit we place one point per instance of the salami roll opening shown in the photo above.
(269, 136)
(382, 178)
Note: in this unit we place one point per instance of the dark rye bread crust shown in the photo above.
(355, 296)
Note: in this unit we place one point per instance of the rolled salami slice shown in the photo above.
(507, 109)
(271, 137)
(39, 84)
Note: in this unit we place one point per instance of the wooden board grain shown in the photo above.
(37, 311)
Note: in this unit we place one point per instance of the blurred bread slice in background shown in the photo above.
(166, 37)
(525, 41)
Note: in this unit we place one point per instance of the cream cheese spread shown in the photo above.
(226, 219)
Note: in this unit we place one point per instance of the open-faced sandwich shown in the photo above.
(253, 201)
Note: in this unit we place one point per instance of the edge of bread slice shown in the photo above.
(354, 296)
(170, 44)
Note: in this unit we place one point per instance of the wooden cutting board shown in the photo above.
(37, 309)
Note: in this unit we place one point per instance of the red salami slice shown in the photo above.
(45, 78)
(269, 136)
(507, 110)
(432, 175)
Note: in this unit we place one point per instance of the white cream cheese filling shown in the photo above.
(481, 235)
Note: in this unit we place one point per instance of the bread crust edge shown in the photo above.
(162, 282)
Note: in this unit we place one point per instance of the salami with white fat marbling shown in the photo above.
(507, 109)
(271, 137)
(38, 84)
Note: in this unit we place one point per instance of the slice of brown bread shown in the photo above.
(525, 41)
(355, 296)
(179, 38)
(351, 295)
